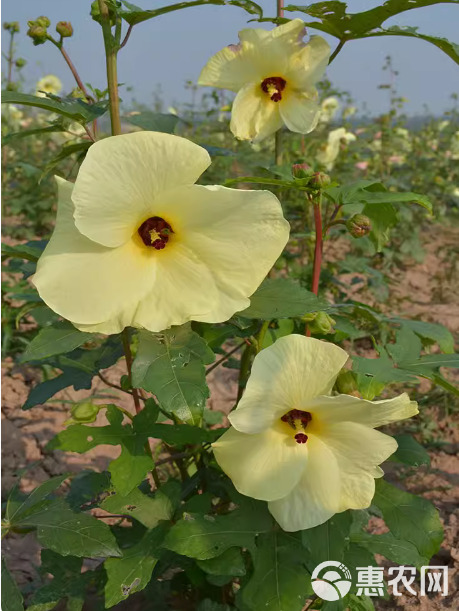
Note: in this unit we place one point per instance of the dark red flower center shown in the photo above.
(274, 86)
(155, 232)
(298, 419)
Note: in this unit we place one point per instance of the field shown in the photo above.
(384, 287)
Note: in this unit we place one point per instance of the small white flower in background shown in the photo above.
(48, 84)
(455, 195)
(443, 125)
(455, 146)
(172, 111)
(350, 111)
(328, 154)
(328, 109)
(274, 74)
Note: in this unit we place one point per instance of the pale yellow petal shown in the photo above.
(300, 111)
(287, 375)
(122, 177)
(315, 499)
(254, 115)
(265, 466)
(359, 450)
(231, 68)
(370, 413)
(308, 65)
(86, 282)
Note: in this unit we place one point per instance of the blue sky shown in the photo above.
(173, 48)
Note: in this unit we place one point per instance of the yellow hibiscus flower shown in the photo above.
(274, 74)
(48, 84)
(292, 443)
(138, 244)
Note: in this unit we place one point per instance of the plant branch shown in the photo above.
(337, 50)
(112, 75)
(126, 38)
(224, 357)
(74, 71)
(318, 249)
(128, 355)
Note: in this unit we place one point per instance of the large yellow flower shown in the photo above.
(292, 443)
(274, 74)
(137, 243)
(48, 84)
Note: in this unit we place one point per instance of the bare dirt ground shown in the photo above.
(427, 290)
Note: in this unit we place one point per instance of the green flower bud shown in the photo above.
(38, 34)
(346, 383)
(320, 180)
(301, 170)
(64, 28)
(11, 26)
(12, 86)
(322, 324)
(20, 62)
(85, 412)
(359, 225)
(44, 22)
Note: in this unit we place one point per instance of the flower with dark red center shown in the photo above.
(138, 244)
(309, 453)
(274, 75)
(274, 86)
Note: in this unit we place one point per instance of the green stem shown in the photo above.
(244, 370)
(261, 334)
(336, 51)
(128, 355)
(111, 50)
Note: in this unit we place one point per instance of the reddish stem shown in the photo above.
(317, 252)
(280, 8)
(318, 248)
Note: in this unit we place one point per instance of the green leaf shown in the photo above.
(383, 218)
(69, 533)
(86, 488)
(72, 108)
(280, 581)
(154, 121)
(80, 148)
(205, 536)
(11, 595)
(18, 507)
(399, 551)
(429, 330)
(132, 572)
(230, 562)
(148, 510)
(171, 366)
(327, 541)
(282, 298)
(28, 251)
(410, 518)
(134, 14)
(381, 369)
(350, 26)
(56, 339)
(410, 452)
(262, 180)
(131, 466)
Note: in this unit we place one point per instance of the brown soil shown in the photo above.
(428, 290)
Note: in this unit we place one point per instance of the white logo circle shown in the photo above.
(331, 584)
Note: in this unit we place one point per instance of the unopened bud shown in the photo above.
(20, 62)
(319, 323)
(320, 180)
(346, 383)
(359, 225)
(11, 26)
(38, 34)
(84, 413)
(301, 170)
(64, 28)
(12, 86)
(44, 22)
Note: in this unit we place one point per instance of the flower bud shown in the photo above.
(301, 170)
(322, 324)
(12, 86)
(11, 26)
(320, 180)
(38, 34)
(346, 383)
(44, 22)
(84, 412)
(359, 225)
(20, 62)
(64, 28)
